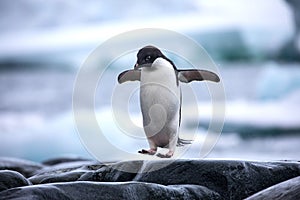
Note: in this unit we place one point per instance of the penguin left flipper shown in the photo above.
(190, 75)
(129, 75)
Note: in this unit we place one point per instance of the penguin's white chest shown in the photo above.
(160, 97)
(159, 83)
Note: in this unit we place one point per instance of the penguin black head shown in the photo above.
(147, 55)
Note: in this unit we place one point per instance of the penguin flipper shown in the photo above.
(190, 75)
(129, 75)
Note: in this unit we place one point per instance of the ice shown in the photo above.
(275, 82)
(281, 113)
(35, 137)
(32, 136)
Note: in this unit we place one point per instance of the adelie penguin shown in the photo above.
(160, 97)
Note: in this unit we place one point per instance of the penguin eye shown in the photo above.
(147, 58)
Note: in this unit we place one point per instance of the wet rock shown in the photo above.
(25, 167)
(11, 179)
(287, 190)
(63, 172)
(55, 161)
(94, 190)
(231, 179)
(155, 179)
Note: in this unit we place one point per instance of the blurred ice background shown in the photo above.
(254, 43)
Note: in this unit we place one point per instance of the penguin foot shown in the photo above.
(167, 155)
(149, 152)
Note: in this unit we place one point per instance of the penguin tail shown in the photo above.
(182, 142)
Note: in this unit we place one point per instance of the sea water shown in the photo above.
(262, 113)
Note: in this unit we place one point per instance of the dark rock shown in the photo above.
(63, 172)
(11, 179)
(119, 172)
(86, 170)
(93, 190)
(26, 168)
(56, 177)
(231, 179)
(287, 190)
(160, 179)
(55, 161)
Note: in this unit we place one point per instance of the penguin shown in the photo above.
(160, 97)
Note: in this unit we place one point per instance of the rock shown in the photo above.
(230, 179)
(166, 178)
(118, 172)
(55, 161)
(11, 179)
(87, 171)
(26, 168)
(94, 190)
(68, 176)
(287, 190)
(63, 172)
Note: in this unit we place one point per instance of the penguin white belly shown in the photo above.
(160, 102)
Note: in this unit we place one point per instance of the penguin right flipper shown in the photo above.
(189, 75)
(129, 75)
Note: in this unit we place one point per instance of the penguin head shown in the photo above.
(147, 55)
